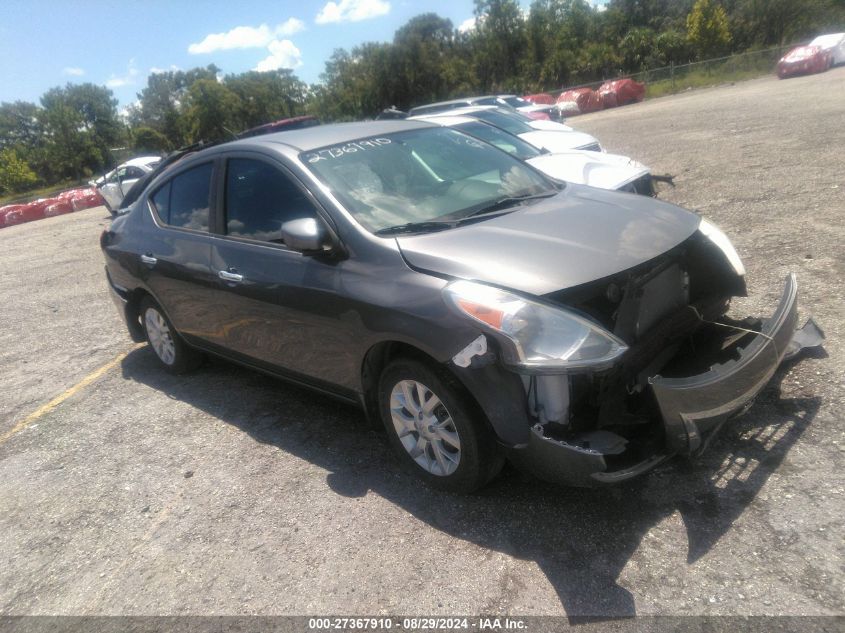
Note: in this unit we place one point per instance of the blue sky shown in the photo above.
(118, 43)
(46, 43)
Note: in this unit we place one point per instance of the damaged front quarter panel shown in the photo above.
(690, 408)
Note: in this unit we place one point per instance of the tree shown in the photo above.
(161, 102)
(498, 44)
(211, 112)
(638, 49)
(267, 96)
(80, 126)
(15, 174)
(20, 125)
(148, 140)
(707, 29)
(417, 60)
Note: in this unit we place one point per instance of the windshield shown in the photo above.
(513, 123)
(499, 138)
(423, 175)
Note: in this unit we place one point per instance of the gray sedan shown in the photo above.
(475, 308)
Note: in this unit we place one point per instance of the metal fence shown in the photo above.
(675, 78)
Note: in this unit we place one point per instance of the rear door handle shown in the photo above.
(225, 275)
(149, 260)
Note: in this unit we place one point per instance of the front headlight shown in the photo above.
(542, 337)
(715, 235)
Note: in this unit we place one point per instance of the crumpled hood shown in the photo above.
(558, 141)
(596, 169)
(577, 236)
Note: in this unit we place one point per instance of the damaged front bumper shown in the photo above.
(692, 408)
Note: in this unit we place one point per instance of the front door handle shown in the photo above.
(225, 275)
(149, 260)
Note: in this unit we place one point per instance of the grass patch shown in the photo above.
(705, 74)
(41, 192)
(699, 79)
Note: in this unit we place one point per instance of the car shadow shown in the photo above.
(581, 538)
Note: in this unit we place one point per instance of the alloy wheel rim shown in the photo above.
(159, 336)
(425, 428)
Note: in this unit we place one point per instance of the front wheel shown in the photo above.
(435, 428)
(172, 352)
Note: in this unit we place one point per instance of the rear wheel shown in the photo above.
(172, 352)
(435, 429)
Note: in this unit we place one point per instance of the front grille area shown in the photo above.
(592, 147)
(644, 186)
(656, 308)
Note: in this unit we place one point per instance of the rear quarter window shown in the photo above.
(183, 202)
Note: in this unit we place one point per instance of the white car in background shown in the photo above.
(554, 140)
(834, 43)
(596, 169)
(114, 185)
(507, 101)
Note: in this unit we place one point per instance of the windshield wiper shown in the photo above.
(503, 203)
(416, 227)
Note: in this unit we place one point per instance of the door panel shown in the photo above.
(176, 254)
(285, 309)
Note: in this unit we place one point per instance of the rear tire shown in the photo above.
(171, 351)
(435, 427)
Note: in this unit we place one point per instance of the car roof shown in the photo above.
(469, 111)
(830, 39)
(139, 161)
(454, 103)
(448, 119)
(323, 135)
(290, 123)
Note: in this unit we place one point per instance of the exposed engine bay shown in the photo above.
(672, 313)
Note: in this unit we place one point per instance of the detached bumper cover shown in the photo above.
(693, 407)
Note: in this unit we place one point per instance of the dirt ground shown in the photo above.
(226, 492)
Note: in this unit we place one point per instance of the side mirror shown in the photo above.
(306, 235)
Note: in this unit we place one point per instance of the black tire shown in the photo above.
(479, 458)
(183, 358)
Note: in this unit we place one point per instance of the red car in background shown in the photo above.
(804, 60)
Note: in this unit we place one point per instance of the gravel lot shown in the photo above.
(226, 492)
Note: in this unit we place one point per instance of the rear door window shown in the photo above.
(184, 201)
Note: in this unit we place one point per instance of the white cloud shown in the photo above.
(126, 111)
(124, 80)
(291, 26)
(73, 71)
(283, 54)
(352, 11)
(466, 25)
(155, 70)
(245, 37)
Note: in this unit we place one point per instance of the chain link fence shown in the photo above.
(676, 78)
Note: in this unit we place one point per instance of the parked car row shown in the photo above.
(556, 149)
(65, 202)
(439, 274)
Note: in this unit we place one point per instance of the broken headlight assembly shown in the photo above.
(723, 243)
(542, 338)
